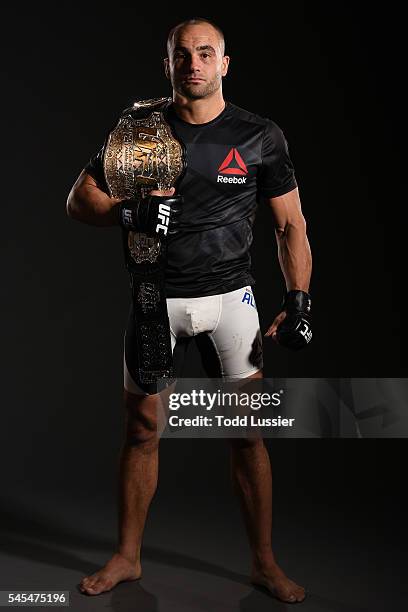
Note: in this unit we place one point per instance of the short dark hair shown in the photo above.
(187, 22)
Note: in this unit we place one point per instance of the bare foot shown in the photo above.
(116, 570)
(278, 584)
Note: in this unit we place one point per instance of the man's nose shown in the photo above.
(194, 62)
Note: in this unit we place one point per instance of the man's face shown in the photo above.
(196, 65)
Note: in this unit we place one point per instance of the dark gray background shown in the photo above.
(331, 77)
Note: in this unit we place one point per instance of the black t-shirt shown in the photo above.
(231, 161)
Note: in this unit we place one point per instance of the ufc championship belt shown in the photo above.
(142, 154)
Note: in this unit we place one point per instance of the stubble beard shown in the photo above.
(196, 92)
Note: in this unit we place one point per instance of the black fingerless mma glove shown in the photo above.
(295, 331)
(153, 215)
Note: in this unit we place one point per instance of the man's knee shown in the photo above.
(250, 443)
(138, 435)
(141, 418)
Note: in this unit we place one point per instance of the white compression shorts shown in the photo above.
(231, 322)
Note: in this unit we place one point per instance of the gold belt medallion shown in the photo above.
(142, 154)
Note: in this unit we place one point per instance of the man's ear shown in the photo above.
(166, 67)
(225, 65)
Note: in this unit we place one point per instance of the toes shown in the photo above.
(284, 590)
(298, 595)
(286, 595)
(291, 595)
(301, 596)
(88, 584)
(91, 590)
(84, 583)
(101, 584)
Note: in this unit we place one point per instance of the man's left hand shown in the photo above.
(292, 327)
(273, 328)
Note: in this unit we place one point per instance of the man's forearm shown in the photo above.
(92, 206)
(295, 256)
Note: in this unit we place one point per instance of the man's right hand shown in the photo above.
(156, 214)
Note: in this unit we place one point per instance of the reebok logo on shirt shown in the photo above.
(225, 168)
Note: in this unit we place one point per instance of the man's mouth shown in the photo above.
(194, 80)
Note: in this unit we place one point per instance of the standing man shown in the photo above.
(235, 158)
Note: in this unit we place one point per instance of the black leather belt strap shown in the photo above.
(152, 327)
(141, 155)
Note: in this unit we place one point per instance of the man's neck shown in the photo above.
(198, 111)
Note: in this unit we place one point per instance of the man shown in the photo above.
(234, 158)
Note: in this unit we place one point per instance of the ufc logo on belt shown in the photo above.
(163, 217)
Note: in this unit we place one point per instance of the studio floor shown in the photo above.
(196, 558)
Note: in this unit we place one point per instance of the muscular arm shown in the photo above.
(294, 252)
(89, 204)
